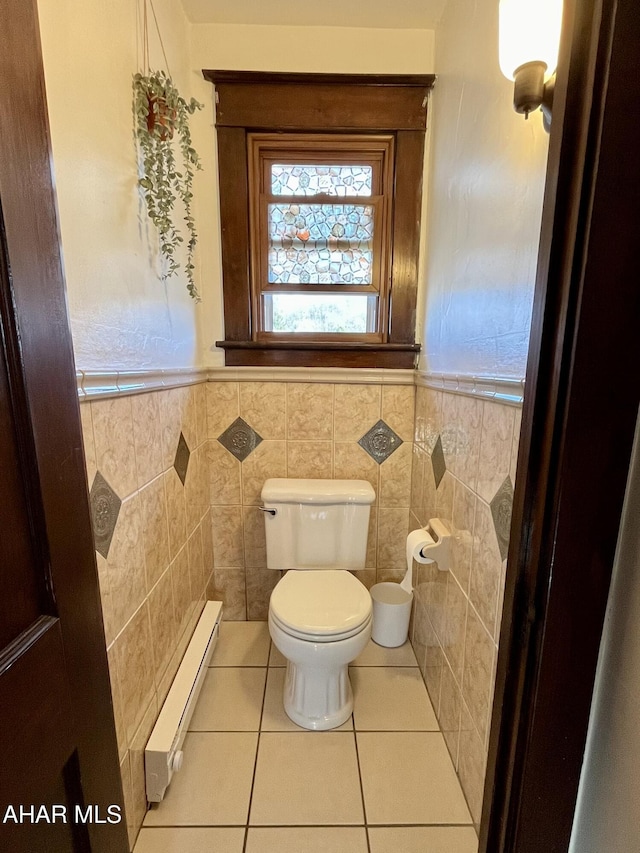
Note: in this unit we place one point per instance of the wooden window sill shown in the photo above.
(319, 354)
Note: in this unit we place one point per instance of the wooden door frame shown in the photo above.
(41, 340)
(579, 417)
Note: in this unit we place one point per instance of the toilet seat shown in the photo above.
(320, 606)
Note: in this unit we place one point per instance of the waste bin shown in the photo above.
(391, 614)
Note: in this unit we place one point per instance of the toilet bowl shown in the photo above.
(320, 621)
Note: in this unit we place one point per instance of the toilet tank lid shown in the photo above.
(281, 490)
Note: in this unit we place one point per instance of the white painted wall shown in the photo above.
(485, 201)
(122, 316)
(277, 48)
(606, 817)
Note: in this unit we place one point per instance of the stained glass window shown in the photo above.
(320, 244)
(298, 179)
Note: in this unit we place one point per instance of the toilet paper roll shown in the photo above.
(416, 541)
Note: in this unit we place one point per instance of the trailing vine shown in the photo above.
(160, 114)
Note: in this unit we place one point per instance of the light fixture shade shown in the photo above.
(529, 32)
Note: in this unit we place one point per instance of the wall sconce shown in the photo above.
(529, 42)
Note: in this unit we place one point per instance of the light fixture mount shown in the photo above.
(531, 91)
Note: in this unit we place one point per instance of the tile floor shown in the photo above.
(254, 782)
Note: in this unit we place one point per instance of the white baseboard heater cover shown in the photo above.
(163, 753)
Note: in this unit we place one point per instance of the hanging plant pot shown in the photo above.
(161, 117)
(161, 114)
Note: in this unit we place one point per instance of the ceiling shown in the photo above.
(399, 14)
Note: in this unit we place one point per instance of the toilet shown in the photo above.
(319, 613)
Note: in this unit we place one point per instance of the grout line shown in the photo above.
(364, 808)
(255, 763)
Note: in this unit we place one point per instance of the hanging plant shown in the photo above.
(161, 125)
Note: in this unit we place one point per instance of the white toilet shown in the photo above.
(319, 613)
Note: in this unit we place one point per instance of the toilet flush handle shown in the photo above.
(266, 509)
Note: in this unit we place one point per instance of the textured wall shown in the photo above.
(464, 462)
(155, 553)
(122, 315)
(486, 185)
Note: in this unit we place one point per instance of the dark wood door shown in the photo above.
(57, 740)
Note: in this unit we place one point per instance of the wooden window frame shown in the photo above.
(376, 151)
(273, 105)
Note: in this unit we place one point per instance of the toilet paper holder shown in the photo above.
(440, 551)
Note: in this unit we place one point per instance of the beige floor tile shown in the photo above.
(408, 777)
(308, 839)
(242, 644)
(276, 658)
(274, 717)
(308, 778)
(214, 784)
(423, 839)
(391, 698)
(375, 655)
(190, 840)
(230, 700)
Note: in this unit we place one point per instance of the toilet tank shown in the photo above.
(318, 524)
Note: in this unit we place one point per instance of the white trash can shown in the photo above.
(391, 614)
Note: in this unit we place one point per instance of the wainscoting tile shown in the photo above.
(126, 564)
(486, 567)
(309, 460)
(380, 442)
(309, 412)
(181, 459)
(453, 627)
(478, 672)
(263, 405)
(450, 710)
(155, 529)
(351, 462)
(255, 546)
(357, 408)
(147, 434)
(471, 765)
(105, 506)
(89, 443)
(176, 511)
(197, 578)
(395, 478)
(496, 444)
(228, 545)
(240, 439)
(223, 406)
(121, 737)
(269, 459)
(182, 598)
(136, 670)
(228, 586)
(464, 509)
(224, 476)
(163, 624)
(260, 583)
(393, 528)
(114, 445)
(398, 409)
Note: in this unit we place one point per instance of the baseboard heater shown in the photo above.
(163, 753)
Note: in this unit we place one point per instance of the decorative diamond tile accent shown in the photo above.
(380, 442)
(181, 462)
(240, 439)
(501, 507)
(105, 508)
(437, 461)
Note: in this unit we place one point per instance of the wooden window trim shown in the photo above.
(261, 102)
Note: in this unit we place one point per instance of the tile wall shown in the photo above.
(464, 460)
(307, 430)
(147, 470)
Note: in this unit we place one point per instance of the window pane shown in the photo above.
(320, 312)
(320, 244)
(297, 179)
